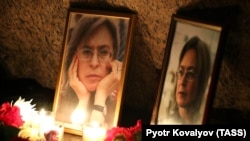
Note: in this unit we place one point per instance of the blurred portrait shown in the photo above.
(186, 77)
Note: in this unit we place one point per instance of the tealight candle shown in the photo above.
(55, 133)
(93, 132)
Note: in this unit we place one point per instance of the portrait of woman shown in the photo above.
(187, 79)
(91, 70)
(191, 81)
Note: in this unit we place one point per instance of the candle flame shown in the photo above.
(42, 112)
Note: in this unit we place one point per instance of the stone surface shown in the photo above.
(31, 37)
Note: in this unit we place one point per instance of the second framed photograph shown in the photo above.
(189, 72)
(96, 52)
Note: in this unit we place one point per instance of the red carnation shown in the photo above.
(136, 131)
(125, 134)
(118, 132)
(136, 128)
(10, 115)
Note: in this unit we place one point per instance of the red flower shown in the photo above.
(10, 115)
(136, 128)
(136, 131)
(125, 134)
(118, 132)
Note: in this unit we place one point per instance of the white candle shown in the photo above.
(60, 130)
(94, 132)
(55, 133)
(46, 119)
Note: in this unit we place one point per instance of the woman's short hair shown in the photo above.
(85, 27)
(203, 65)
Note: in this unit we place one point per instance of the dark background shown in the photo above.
(31, 37)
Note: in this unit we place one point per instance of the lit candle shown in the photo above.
(55, 133)
(93, 132)
(35, 120)
(47, 120)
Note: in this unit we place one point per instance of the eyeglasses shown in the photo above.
(86, 54)
(190, 74)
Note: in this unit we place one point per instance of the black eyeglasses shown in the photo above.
(190, 74)
(85, 54)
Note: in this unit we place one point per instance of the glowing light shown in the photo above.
(94, 132)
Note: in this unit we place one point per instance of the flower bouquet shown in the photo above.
(15, 123)
(125, 134)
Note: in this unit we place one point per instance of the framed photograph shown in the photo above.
(96, 52)
(189, 71)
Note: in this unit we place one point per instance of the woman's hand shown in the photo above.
(74, 82)
(106, 86)
(109, 83)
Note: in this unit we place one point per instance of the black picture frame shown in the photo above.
(182, 29)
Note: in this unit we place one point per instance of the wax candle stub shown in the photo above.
(93, 132)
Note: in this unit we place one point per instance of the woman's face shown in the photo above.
(187, 79)
(99, 47)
